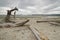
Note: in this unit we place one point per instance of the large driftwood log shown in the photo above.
(8, 25)
(39, 35)
(23, 23)
(42, 35)
(47, 21)
(35, 33)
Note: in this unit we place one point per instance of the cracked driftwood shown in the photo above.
(35, 33)
(39, 35)
(42, 35)
(8, 25)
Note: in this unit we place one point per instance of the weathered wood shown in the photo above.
(48, 21)
(8, 25)
(39, 35)
(35, 32)
(42, 36)
(54, 23)
(23, 23)
(14, 14)
(7, 18)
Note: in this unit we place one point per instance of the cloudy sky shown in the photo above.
(31, 6)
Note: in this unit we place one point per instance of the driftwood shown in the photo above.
(7, 18)
(47, 21)
(8, 25)
(54, 23)
(39, 35)
(42, 36)
(14, 14)
(23, 23)
(35, 32)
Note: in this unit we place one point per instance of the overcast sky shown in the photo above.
(31, 6)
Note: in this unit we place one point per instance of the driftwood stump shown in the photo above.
(7, 18)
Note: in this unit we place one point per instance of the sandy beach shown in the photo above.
(23, 33)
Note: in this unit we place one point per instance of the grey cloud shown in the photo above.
(44, 6)
(3, 3)
(19, 3)
(25, 3)
(50, 7)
